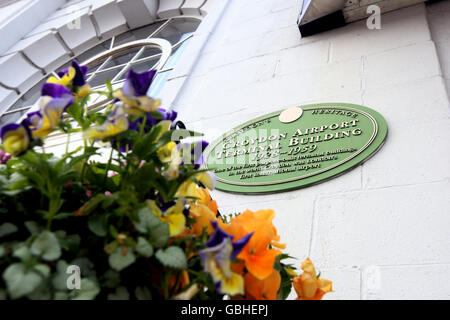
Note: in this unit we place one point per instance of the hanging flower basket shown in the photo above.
(140, 225)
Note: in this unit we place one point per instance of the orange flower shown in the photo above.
(203, 212)
(205, 198)
(183, 282)
(266, 289)
(259, 258)
(238, 267)
(308, 286)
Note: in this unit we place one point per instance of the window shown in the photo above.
(158, 45)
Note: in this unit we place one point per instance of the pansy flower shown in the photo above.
(74, 76)
(308, 286)
(33, 119)
(16, 138)
(116, 123)
(217, 258)
(258, 255)
(193, 152)
(165, 121)
(172, 172)
(165, 152)
(134, 93)
(266, 289)
(188, 188)
(203, 211)
(4, 157)
(152, 120)
(172, 214)
(54, 101)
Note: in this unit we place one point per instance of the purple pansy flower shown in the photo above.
(79, 78)
(33, 119)
(55, 100)
(137, 84)
(16, 138)
(55, 90)
(150, 122)
(217, 258)
(134, 93)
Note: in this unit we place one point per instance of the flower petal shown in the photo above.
(208, 179)
(15, 138)
(261, 265)
(137, 84)
(55, 90)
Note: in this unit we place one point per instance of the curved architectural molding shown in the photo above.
(169, 8)
(161, 44)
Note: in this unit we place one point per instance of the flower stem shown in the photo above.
(144, 122)
(108, 166)
(51, 212)
(67, 142)
(166, 285)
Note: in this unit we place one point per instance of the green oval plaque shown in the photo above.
(295, 148)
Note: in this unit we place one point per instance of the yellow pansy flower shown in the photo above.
(15, 138)
(173, 216)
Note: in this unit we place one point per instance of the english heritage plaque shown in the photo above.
(295, 147)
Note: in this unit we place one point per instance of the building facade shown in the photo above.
(379, 231)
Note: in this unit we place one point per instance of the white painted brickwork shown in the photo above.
(381, 230)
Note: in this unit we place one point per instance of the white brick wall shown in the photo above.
(379, 231)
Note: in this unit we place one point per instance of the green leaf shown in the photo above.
(61, 296)
(22, 252)
(47, 246)
(76, 111)
(3, 294)
(92, 204)
(172, 257)
(112, 279)
(109, 85)
(43, 269)
(118, 262)
(2, 251)
(70, 243)
(156, 114)
(7, 229)
(59, 280)
(15, 183)
(120, 294)
(89, 290)
(62, 215)
(98, 224)
(150, 224)
(159, 235)
(86, 267)
(143, 293)
(33, 227)
(20, 281)
(144, 248)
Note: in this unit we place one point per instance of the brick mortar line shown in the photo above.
(323, 196)
(361, 268)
